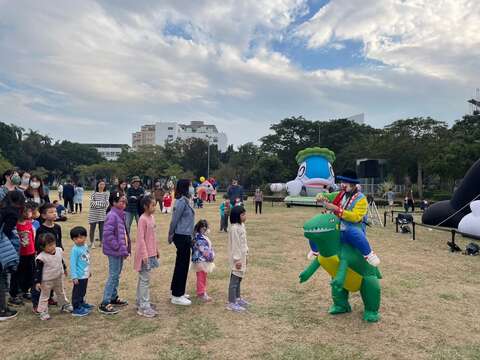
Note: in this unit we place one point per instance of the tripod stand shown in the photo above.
(373, 212)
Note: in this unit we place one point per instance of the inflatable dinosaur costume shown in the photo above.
(349, 270)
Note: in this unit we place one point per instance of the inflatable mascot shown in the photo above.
(315, 175)
(348, 268)
(456, 212)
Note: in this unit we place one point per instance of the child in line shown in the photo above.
(167, 203)
(78, 198)
(146, 256)
(49, 272)
(22, 280)
(61, 211)
(80, 271)
(116, 246)
(48, 213)
(202, 258)
(224, 213)
(237, 253)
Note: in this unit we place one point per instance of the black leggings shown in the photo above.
(182, 262)
(22, 279)
(68, 203)
(92, 231)
(258, 207)
(78, 207)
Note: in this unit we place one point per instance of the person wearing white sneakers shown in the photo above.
(180, 233)
(351, 206)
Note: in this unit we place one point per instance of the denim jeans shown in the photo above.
(129, 219)
(115, 264)
(143, 288)
(355, 237)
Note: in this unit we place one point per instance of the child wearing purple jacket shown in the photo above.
(116, 246)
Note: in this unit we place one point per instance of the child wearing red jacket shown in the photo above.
(167, 203)
(22, 280)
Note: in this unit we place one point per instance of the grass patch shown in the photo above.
(36, 355)
(311, 352)
(139, 327)
(470, 352)
(174, 352)
(199, 329)
(450, 297)
(96, 355)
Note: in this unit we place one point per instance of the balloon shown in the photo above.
(202, 179)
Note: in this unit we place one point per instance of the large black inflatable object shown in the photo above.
(468, 190)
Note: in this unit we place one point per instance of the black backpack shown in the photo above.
(472, 249)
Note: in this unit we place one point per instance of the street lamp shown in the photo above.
(208, 157)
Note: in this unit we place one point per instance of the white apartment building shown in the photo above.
(111, 152)
(163, 132)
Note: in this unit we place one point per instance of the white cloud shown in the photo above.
(113, 65)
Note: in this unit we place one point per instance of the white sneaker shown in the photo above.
(184, 295)
(372, 259)
(181, 300)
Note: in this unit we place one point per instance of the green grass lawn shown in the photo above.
(430, 304)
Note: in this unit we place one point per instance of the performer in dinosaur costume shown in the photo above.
(349, 270)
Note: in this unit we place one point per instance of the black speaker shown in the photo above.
(368, 169)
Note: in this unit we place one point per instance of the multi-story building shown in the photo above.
(111, 152)
(146, 136)
(170, 131)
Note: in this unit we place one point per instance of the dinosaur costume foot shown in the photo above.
(337, 309)
(371, 316)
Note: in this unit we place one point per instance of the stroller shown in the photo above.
(404, 221)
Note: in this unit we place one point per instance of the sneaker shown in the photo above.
(80, 312)
(181, 300)
(235, 307)
(89, 307)
(108, 309)
(372, 259)
(52, 302)
(119, 302)
(204, 298)
(243, 303)
(68, 308)
(44, 316)
(149, 312)
(92, 246)
(8, 314)
(184, 295)
(15, 301)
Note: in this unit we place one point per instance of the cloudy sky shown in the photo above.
(95, 71)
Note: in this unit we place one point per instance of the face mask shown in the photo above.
(35, 185)
(25, 181)
(191, 190)
(16, 180)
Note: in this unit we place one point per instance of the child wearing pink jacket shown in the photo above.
(146, 257)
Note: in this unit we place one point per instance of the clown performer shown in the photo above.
(351, 207)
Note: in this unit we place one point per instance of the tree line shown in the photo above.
(422, 152)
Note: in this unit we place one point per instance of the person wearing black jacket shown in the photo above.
(134, 195)
(10, 209)
(68, 195)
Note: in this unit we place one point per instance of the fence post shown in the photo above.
(413, 230)
(384, 218)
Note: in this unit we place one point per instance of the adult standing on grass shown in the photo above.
(10, 182)
(258, 201)
(159, 193)
(68, 195)
(180, 233)
(35, 191)
(60, 191)
(234, 192)
(134, 195)
(98, 211)
(78, 198)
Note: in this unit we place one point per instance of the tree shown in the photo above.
(4, 164)
(415, 140)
